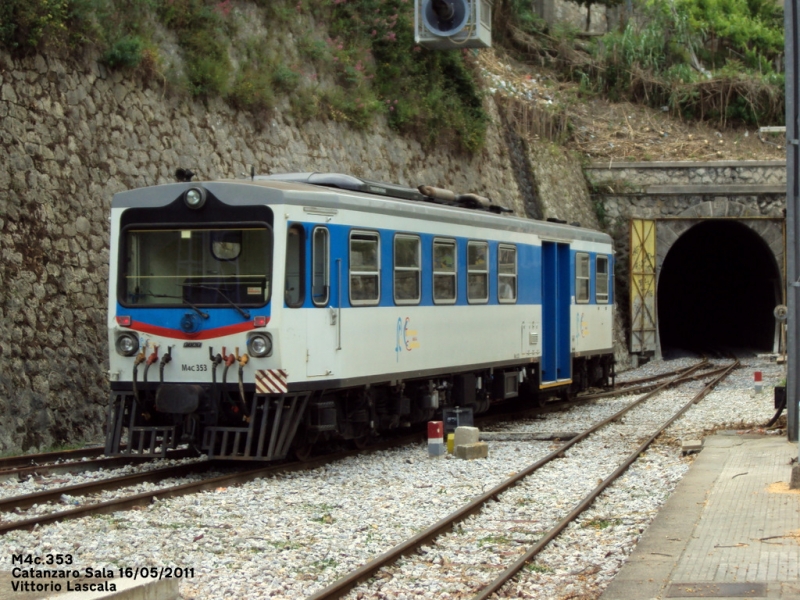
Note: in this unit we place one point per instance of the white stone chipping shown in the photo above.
(289, 536)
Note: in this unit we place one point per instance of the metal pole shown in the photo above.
(792, 213)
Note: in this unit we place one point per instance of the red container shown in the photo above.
(435, 431)
(757, 375)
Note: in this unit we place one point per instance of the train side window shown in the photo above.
(477, 272)
(444, 271)
(320, 266)
(407, 264)
(294, 291)
(601, 284)
(365, 276)
(581, 278)
(506, 273)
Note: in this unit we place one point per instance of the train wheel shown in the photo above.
(304, 452)
(304, 444)
(362, 442)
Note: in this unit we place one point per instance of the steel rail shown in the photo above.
(26, 460)
(240, 477)
(25, 501)
(343, 585)
(80, 466)
(145, 498)
(523, 560)
(629, 382)
(681, 378)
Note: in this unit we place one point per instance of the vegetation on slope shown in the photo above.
(718, 60)
(353, 60)
(366, 46)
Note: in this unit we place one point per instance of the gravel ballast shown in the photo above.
(289, 536)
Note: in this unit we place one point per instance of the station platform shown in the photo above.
(731, 529)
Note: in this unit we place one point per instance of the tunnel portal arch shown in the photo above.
(718, 281)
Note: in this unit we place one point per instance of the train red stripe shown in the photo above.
(206, 334)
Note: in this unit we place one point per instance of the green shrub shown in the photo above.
(431, 94)
(126, 52)
(345, 106)
(27, 25)
(284, 79)
(313, 49)
(305, 105)
(690, 53)
(252, 90)
(203, 38)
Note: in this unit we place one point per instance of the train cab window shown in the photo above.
(320, 266)
(581, 278)
(294, 292)
(224, 266)
(365, 277)
(444, 271)
(477, 272)
(407, 264)
(506, 273)
(601, 284)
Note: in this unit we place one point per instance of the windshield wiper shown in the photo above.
(239, 309)
(192, 306)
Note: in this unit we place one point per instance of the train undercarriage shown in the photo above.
(239, 425)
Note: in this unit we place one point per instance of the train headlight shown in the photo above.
(195, 197)
(127, 344)
(259, 345)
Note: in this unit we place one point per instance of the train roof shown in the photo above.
(300, 189)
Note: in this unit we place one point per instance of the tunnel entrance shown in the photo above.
(717, 290)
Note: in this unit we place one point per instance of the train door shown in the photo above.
(321, 330)
(556, 300)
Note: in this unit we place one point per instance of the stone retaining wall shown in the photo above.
(73, 134)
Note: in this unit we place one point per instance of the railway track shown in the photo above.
(647, 384)
(631, 382)
(345, 584)
(75, 460)
(81, 466)
(126, 502)
(28, 460)
(81, 494)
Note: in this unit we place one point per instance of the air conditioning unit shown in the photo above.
(449, 24)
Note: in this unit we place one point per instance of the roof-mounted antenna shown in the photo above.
(184, 175)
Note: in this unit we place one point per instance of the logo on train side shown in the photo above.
(581, 326)
(406, 338)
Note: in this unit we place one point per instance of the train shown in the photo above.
(260, 317)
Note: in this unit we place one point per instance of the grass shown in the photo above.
(286, 545)
(537, 568)
(362, 56)
(325, 563)
(492, 540)
(716, 60)
(602, 523)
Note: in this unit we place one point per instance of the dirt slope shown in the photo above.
(601, 130)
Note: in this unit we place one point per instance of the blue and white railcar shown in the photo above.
(250, 316)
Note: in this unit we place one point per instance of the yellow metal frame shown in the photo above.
(643, 285)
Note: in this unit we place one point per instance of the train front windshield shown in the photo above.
(205, 267)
